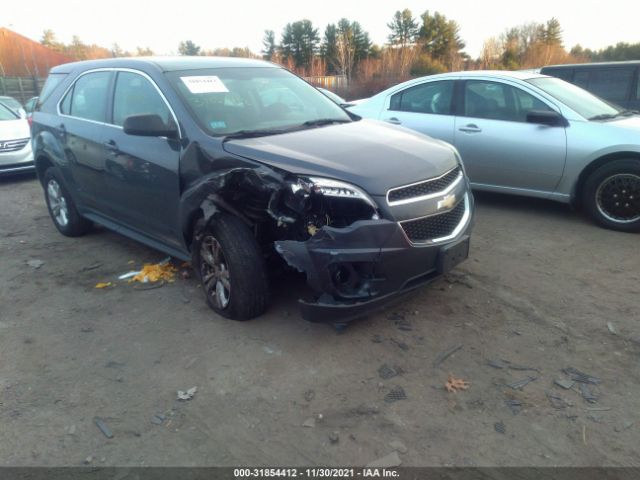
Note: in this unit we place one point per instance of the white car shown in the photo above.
(527, 134)
(15, 143)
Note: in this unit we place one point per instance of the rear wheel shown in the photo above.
(612, 195)
(61, 208)
(229, 263)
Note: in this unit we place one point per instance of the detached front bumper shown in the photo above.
(358, 269)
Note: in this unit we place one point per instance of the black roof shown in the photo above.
(596, 64)
(165, 64)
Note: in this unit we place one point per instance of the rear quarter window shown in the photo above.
(53, 80)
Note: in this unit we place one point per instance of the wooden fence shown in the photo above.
(330, 82)
(21, 88)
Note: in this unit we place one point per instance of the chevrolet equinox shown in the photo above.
(232, 163)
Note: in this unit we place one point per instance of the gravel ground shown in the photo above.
(543, 290)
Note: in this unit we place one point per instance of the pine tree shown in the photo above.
(269, 45)
(552, 34)
(404, 28)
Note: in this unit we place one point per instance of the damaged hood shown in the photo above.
(373, 155)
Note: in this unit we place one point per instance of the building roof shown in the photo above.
(22, 57)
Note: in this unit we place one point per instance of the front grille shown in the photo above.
(13, 145)
(422, 230)
(423, 188)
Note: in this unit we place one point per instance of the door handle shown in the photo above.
(111, 145)
(470, 128)
(394, 120)
(63, 131)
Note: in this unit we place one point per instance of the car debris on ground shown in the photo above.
(386, 372)
(520, 384)
(453, 384)
(35, 263)
(446, 354)
(581, 377)
(187, 394)
(104, 428)
(506, 364)
(395, 394)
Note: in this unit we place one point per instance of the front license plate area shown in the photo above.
(452, 254)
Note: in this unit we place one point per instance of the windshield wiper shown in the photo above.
(609, 116)
(265, 132)
(603, 116)
(324, 121)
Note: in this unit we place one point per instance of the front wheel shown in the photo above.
(229, 263)
(612, 195)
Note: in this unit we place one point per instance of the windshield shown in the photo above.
(583, 102)
(10, 102)
(6, 113)
(230, 100)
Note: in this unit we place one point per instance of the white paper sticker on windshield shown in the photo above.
(204, 84)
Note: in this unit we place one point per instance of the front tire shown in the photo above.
(61, 208)
(229, 263)
(612, 195)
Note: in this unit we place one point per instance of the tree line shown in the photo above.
(416, 45)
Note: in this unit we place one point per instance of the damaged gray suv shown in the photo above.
(235, 164)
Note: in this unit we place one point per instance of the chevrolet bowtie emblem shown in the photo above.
(448, 201)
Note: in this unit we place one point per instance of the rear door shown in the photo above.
(426, 108)
(141, 173)
(498, 147)
(83, 112)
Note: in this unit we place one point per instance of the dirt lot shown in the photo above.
(539, 290)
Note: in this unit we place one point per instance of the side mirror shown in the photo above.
(148, 125)
(546, 117)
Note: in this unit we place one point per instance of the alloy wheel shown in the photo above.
(214, 272)
(57, 203)
(618, 198)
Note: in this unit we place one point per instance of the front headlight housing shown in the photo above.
(332, 188)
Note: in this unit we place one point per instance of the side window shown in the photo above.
(638, 86)
(88, 97)
(498, 101)
(611, 83)
(431, 97)
(135, 95)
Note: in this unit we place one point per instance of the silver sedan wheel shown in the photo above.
(57, 203)
(214, 272)
(618, 198)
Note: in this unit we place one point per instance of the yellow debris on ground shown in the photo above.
(154, 272)
(103, 285)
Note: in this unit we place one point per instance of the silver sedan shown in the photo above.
(15, 143)
(527, 134)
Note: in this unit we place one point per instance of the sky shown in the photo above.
(241, 23)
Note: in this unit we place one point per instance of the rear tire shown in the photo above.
(61, 207)
(611, 195)
(229, 263)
